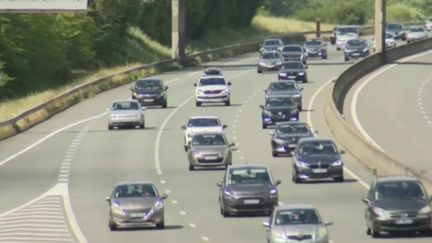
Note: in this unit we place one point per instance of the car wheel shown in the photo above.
(228, 103)
(295, 178)
(300, 107)
(110, 127)
(165, 104)
(275, 154)
(112, 226)
(264, 126)
(375, 233)
(225, 213)
(305, 80)
(346, 59)
(259, 71)
(142, 125)
(339, 178)
(198, 103)
(368, 231)
(191, 167)
(160, 225)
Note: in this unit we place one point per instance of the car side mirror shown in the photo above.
(164, 196)
(195, 84)
(219, 184)
(342, 151)
(261, 106)
(301, 89)
(224, 126)
(366, 200)
(107, 198)
(132, 89)
(266, 224)
(183, 127)
(229, 83)
(328, 223)
(278, 182)
(166, 88)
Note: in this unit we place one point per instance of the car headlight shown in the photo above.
(195, 154)
(321, 234)
(302, 164)
(301, 73)
(297, 96)
(158, 205)
(282, 74)
(137, 116)
(366, 49)
(116, 209)
(278, 236)
(381, 213)
(225, 91)
(337, 162)
(267, 113)
(273, 192)
(262, 63)
(200, 92)
(425, 210)
(113, 116)
(278, 140)
(229, 194)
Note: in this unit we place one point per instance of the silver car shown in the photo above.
(416, 33)
(209, 150)
(296, 223)
(136, 204)
(126, 113)
(288, 88)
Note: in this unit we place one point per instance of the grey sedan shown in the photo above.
(296, 223)
(126, 113)
(136, 204)
(317, 158)
(288, 88)
(247, 189)
(209, 150)
(286, 136)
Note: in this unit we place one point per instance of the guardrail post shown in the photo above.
(178, 29)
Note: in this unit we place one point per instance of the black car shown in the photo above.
(317, 158)
(212, 71)
(316, 48)
(356, 48)
(269, 61)
(397, 204)
(295, 70)
(247, 189)
(278, 108)
(150, 92)
(286, 136)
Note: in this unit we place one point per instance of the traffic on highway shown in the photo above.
(219, 161)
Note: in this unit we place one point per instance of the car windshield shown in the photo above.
(398, 190)
(271, 43)
(416, 29)
(212, 81)
(279, 101)
(148, 85)
(292, 129)
(125, 106)
(212, 71)
(296, 216)
(208, 140)
(270, 55)
(282, 86)
(248, 176)
(315, 42)
(356, 43)
(317, 147)
(347, 30)
(292, 49)
(203, 122)
(135, 190)
(293, 65)
(394, 27)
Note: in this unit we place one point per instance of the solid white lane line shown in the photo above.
(167, 191)
(192, 225)
(174, 202)
(358, 90)
(162, 181)
(183, 213)
(204, 238)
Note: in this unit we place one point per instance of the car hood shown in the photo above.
(298, 230)
(135, 202)
(209, 149)
(125, 112)
(292, 70)
(148, 92)
(290, 136)
(404, 204)
(212, 87)
(319, 158)
(250, 189)
(271, 61)
(279, 108)
(194, 130)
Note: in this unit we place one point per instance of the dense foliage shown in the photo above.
(39, 51)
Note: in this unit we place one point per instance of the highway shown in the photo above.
(392, 107)
(55, 176)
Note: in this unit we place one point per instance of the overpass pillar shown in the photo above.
(178, 34)
(380, 25)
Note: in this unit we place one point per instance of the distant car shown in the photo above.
(273, 44)
(416, 33)
(397, 29)
(345, 33)
(294, 53)
(212, 89)
(247, 189)
(390, 41)
(288, 88)
(428, 24)
(136, 204)
(296, 223)
(127, 113)
(199, 124)
(294, 70)
(316, 48)
(356, 48)
(317, 158)
(212, 71)
(269, 61)
(286, 136)
(209, 149)
(150, 92)
(278, 108)
(397, 204)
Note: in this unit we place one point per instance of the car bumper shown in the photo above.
(202, 162)
(125, 122)
(317, 54)
(268, 67)
(212, 99)
(150, 100)
(293, 77)
(243, 205)
(424, 223)
(319, 173)
(127, 221)
(357, 54)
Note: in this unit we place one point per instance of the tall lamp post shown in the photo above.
(178, 34)
(380, 26)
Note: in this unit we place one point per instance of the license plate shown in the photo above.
(404, 221)
(136, 215)
(210, 157)
(251, 201)
(319, 170)
(291, 76)
(292, 145)
(356, 54)
(148, 100)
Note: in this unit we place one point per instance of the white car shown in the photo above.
(212, 89)
(428, 24)
(345, 33)
(202, 124)
(390, 41)
(416, 33)
(126, 113)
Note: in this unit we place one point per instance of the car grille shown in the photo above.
(403, 215)
(279, 114)
(212, 91)
(218, 160)
(319, 166)
(299, 237)
(141, 210)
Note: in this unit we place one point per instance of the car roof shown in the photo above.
(272, 39)
(122, 183)
(396, 178)
(149, 79)
(248, 166)
(278, 95)
(295, 206)
(292, 123)
(212, 76)
(121, 101)
(315, 139)
(204, 117)
(348, 26)
(283, 81)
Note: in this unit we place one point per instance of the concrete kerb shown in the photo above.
(358, 146)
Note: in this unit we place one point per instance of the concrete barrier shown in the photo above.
(359, 147)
